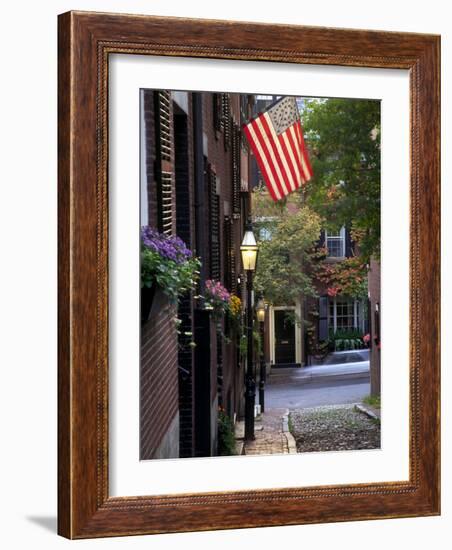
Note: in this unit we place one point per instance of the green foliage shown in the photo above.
(346, 278)
(343, 340)
(283, 266)
(292, 318)
(343, 136)
(345, 344)
(243, 345)
(373, 401)
(349, 333)
(226, 437)
(172, 277)
(257, 342)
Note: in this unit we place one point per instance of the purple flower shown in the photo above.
(170, 247)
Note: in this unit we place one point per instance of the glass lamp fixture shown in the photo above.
(260, 310)
(248, 250)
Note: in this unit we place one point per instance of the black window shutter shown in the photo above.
(348, 243)
(217, 111)
(163, 167)
(235, 169)
(166, 191)
(226, 120)
(230, 278)
(164, 118)
(322, 242)
(214, 219)
(323, 318)
(232, 259)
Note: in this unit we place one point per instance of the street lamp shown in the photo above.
(260, 311)
(248, 250)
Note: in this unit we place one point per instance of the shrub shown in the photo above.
(343, 340)
(226, 437)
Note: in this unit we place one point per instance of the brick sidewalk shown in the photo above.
(272, 435)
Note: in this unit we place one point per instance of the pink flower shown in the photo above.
(366, 338)
(216, 291)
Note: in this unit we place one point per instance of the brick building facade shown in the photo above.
(194, 182)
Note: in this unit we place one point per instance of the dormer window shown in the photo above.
(335, 243)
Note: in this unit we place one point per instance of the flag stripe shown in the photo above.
(304, 150)
(261, 161)
(303, 164)
(289, 148)
(293, 138)
(282, 153)
(259, 126)
(267, 158)
(304, 156)
(290, 159)
(276, 155)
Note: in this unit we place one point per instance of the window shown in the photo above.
(345, 314)
(335, 243)
(265, 234)
(265, 227)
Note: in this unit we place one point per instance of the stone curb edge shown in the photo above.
(291, 443)
(366, 411)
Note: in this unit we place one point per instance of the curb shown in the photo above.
(240, 447)
(291, 443)
(367, 412)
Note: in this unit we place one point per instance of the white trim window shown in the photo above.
(345, 314)
(335, 243)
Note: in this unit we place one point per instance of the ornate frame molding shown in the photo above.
(85, 42)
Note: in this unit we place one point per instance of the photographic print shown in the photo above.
(260, 274)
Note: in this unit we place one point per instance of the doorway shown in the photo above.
(284, 338)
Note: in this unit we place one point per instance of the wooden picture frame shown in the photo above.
(86, 40)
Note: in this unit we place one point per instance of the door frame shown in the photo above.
(298, 339)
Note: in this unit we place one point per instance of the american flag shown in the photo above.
(276, 139)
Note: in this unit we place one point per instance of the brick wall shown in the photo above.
(158, 378)
(159, 399)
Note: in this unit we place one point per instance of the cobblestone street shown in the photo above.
(334, 428)
(328, 428)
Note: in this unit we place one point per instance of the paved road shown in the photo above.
(315, 386)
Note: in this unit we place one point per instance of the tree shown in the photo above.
(343, 136)
(284, 255)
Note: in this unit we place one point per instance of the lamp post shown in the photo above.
(260, 311)
(248, 250)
